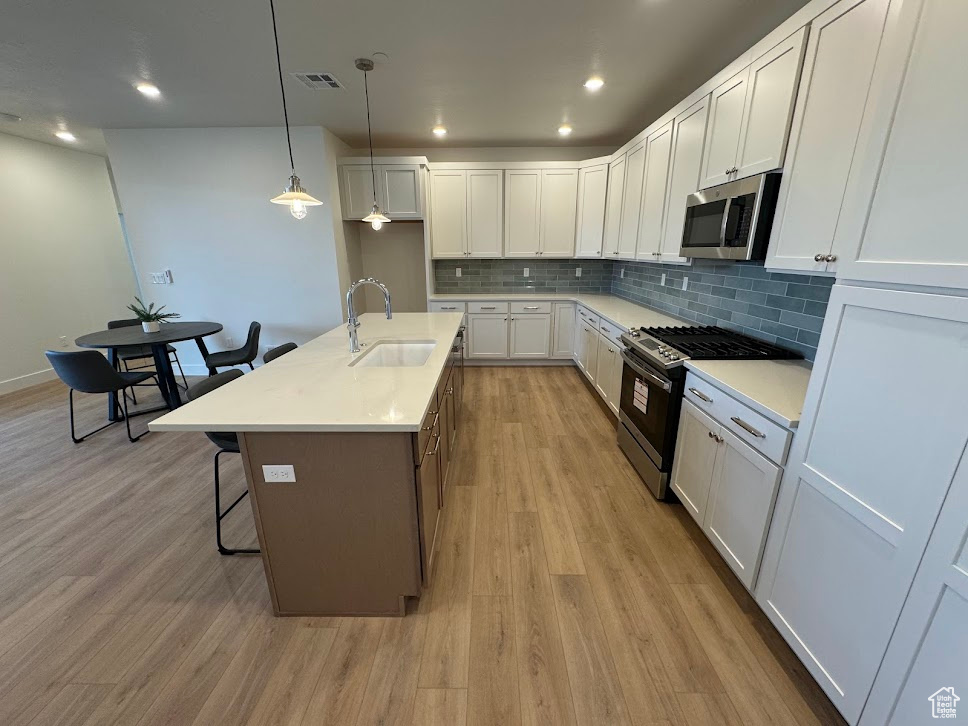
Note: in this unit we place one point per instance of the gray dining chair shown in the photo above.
(238, 356)
(88, 371)
(279, 350)
(227, 443)
(128, 353)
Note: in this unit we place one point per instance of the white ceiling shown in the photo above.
(495, 73)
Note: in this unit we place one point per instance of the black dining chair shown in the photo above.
(227, 443)
(239, 356)
(279, 350)
(128, 353)
(88, 371)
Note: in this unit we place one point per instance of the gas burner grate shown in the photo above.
(709, 342)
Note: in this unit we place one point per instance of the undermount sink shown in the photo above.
(396, 354)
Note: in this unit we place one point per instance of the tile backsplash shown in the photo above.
(778, 307)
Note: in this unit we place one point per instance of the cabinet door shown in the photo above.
(592, 184)
(559, 207)
(654, 184)
(589, 349)
(865, 480)
(688, 132)
(771, 90)
(485, 213)
(428, 507)
(725, 122)
(927, 650)
(903, 217)
(357, 199)
(448, 219)
(446, 423)
(563, 335)
(487, 335)
(613, 207)
(581, 357)
(522, 209)
(401, 191)
(602, 379)
(695, 459)
(530, 336)
(631, 201)
(837, 70)
(740, 505)
(614, 373)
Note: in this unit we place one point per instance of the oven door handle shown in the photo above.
(664, 385)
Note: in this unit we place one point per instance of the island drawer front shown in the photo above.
(425, 434)
(440, 306)
(530, 307)
(767, 437)
(487, 307)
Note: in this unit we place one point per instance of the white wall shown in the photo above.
(64, 269)
(394, 255)
(196, 201)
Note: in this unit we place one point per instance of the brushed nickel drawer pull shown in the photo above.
(742, 424)
(531, 307)
(448, 307)
(700, 395)
(488, 307)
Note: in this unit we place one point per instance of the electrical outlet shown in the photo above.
(527, 271)
(662, 281)
(229, 341)
(63, 342)
(577, 272)
(279, 473)
(685, 283)
(621, 272)
(166, 277)
(458, 272)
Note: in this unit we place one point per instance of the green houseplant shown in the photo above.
(149, 316)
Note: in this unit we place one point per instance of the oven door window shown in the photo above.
(704, 225)
(647, 406)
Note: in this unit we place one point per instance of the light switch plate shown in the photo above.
(527, 271)
(621, 272)
(279, 473)
(458, 272)
(662, 281)
(577, 272)
(685, 283)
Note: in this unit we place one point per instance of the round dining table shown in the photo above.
(158, 342)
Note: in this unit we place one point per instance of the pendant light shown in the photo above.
(294, 196)
(376, 218)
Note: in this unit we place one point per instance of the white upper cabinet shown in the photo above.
(688, 132)
(613, 207)
(770, 92)
(401, 191)
(631, 201)
(725, 121)
(869, 470)
(592, 185)
(837, 70)
(485, 212)
(903, 219)
(357, 197)
(749, 116)
(448, 218)
(559, 208)
(655, 180)
(522, 220)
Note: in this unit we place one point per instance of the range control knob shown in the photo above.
(673, 356)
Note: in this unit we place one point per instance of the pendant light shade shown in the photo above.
(376, 218)
(294, 196)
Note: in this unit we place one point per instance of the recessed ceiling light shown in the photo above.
(12, 117)
(594, 83)
(439, 131)
(148, 90)
(66, 136)
(564, 129)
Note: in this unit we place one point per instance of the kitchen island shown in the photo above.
(369, 437)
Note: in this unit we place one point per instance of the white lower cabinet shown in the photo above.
(530, 335)
(608, 372)
(563, 333)
(588, 351)
(487, 335)
(728, 487)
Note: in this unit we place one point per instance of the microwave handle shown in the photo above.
(730, 222)
(722, 225)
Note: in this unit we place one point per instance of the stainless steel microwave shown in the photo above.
(731, 221)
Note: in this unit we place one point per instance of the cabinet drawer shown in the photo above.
(610, 330)
(531, 307)
(770, 439)
(487, 307)
(588, 316)
(439, 306)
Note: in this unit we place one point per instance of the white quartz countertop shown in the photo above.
(314, 388)
(774, 388)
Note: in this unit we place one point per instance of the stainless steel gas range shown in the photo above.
(652, 381)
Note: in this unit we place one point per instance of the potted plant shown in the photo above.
(150, 317)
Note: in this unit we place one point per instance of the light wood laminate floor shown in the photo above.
(563, 593)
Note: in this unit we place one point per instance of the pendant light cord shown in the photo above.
(369, 135)
(282, 88)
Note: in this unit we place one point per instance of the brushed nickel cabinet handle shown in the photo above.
(531, 307)
(742, 424)
(818, 258)
(831, 258)
(700, 395)
(719, 439)
(488, 307)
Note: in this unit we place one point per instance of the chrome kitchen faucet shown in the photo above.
(351, 321)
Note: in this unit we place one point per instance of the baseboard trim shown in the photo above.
(31, 379)
(519, 362)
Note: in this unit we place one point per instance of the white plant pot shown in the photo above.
(152, 327)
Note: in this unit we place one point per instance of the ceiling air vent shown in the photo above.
(319, 81)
